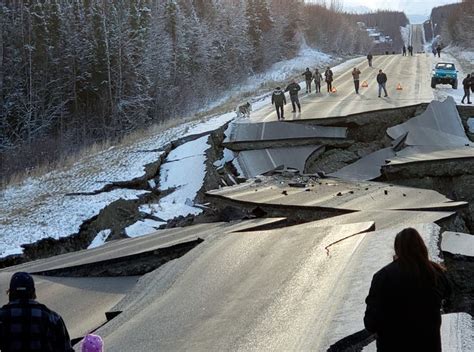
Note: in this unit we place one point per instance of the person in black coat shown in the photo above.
(467, 85)
(329, 77)
(382, 81)
(472, 82)
(369, 59)
(279, 99)
(405, 299)
(294, 89)
(308, 76)
(27, 325)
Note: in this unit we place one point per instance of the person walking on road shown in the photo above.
(410, 50)
(294, 89)
(472, 82)
(329, 77)
(467, 85)
(317, 80)
(278, 98)
(26, 325)
(369, 59)
(404, 50)
(308, 76)
(382, 81)
(405, 298)
(438, 50)
(356, 77)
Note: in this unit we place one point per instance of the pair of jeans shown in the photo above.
(295, 101)
(356, 85)
(329, 86)
(308, 86)
(467, 94)
(280, 111)
(318, 86)
(382, 86)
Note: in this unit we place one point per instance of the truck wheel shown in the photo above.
(433, 83)
(455, 85)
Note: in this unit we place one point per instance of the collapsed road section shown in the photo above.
(295, 277)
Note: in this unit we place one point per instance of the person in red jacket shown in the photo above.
(405, 299)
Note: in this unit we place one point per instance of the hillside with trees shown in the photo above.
(77, 72)
(454, 23)
(389, 22)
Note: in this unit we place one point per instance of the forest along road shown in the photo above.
(412, 73)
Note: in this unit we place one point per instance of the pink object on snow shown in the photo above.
(92, 343)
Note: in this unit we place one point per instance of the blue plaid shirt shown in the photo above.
(30, 326)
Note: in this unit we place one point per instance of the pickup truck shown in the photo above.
(444, 73)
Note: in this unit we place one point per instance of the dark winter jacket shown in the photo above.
(293, 88)
(404, 313)
(467, 82)
(30, 326)
(369, 57)
(308, 75)
(278, 97)
(381, 78)
(356, 75)
(329, 75)
(318, 77)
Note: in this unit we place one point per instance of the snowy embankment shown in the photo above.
(50, 205)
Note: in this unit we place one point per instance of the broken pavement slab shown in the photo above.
(250, 136)
(385, 219)
(458, 243)
(334, 194)
(260, 161)
(123, 250)
(264, 290)
(439, 125)
(366, 168)
(430, 161)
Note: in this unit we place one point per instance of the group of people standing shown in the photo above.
(278, 96)
(279, 99)
(318, 78)
(409, 48)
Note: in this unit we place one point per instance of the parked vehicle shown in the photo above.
(445, 73)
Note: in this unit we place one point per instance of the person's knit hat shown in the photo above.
(22, 283)
(92, 343)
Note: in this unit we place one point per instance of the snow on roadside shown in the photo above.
(56, 216)
(100, 239)
(184, 171)
(38, 207)
(143, 227)
(281, 71)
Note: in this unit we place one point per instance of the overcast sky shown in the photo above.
(419, 7)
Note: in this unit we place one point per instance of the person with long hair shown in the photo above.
(405, 299)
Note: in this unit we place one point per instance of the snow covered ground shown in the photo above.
(39, 207)
(184, 171)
